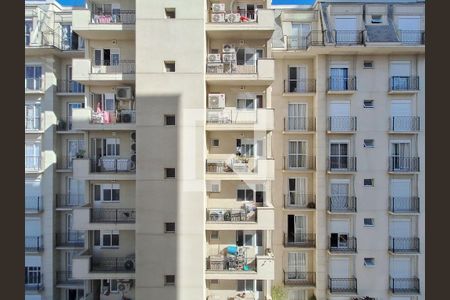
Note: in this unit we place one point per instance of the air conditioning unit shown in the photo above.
(123, 92)
(228, 48)
(214, 68)
(218, 18)
(216, 100)
(233, 18)
(229, 57)
(213, 186)
(216, 215)
(218, 7)
(123, 287)
(133, 136)
(214, 58)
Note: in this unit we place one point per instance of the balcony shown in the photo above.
(342, 204)
(342, 285)
(342, 243)
(341, 85)
(69, 201)
(86, 119)
(262, 73)
(69, 240)
(34, 244)
(404, 285)
(64, 163)
(33, 124)
(295, 87)
(69, 88)
(299, 278)
(341, 124)
(400, 245)
(34, 282)
(348, 37)
(300, 240)
(404, 205)
(33, 164)
(104, 25)
(94, 72)
(411, 37)
(299, 201)
(294, 124)
(240, 168)
(403, 84)
(238, 119)
(34, 86)
(65, 279)
(243, 23)
(341, 164)
(88, 218)
(248, 218)
(400, 164)
(404, 124)
(33, 204)
(240, 267)
(104, 168)
(313, 38)
(299, 162)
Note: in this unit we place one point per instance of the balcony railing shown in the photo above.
(404, 285)
(113, 117)
(113, 67)
(404, 245)
(230, 263)
(299, 278)
(113, 215)
(64, 162)
(343, 285)
(342, 204)
(33, 203)
(69, 200)
(112, 165)
(411, 37)
(300, 86)
(113, 264)
(33, 124)
(121, 17)
(231, 68)
(34, 282)
(33, 84)
(299, 161)
(303, 42)
(302, 240)
(341, 163)
(404, 164)
(299, 124)
(32, 163)
(233, 166)
(235, 16)
(342, 244)
(404, 123)
(65, 277)
(70, 239)
(341, 84)
(299, 201)
(404, 83)
(34, 243)
(349, 37)
(69, 86)
(231, 116)
(404, 204)
(230, 215)
(342, 124)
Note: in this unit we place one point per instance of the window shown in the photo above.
(377, 19)
(214, 235)
(169, 66)
(169, 227)
(369, 261)
(32, 156)
(106, 238)
(169, 120)
(249, 286)
(33, 275)
(33, 116)
(170, 13)
(33, 78)
(369, 222)
(369, 182)
(368, 64)
(245, 104)
(215, 143)
(297, 156)
(111, 147)
(107, 192)
(369, 143)
(245, 194)
(106, 57)
(111, 285)
(169, 279)
(244, 147)
(28, 30)
(368, 104)
(169, 172)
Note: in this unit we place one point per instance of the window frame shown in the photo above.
(111, 234)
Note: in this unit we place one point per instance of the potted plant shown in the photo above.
(62, 125)
(80, 153)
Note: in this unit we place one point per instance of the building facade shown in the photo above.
(225, 150)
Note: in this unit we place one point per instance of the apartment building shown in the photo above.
(225, 150)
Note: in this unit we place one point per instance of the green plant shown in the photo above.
(279, 293)
(80, 153)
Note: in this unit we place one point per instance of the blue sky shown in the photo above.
(81, 2)
(71, 2)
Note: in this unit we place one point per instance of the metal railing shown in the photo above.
(299, 278)
(340, 244)
(34, 282)
(32, 163)
(297, 200)
(302, 240)
(404, 164)
(113, 67)
(65, 277)
(348, 37)
(299, 161)
(235, 16)
(113, 117)
(404, 123)
(342, 285)
(303, 42)
(69, 200)
(404, 83)
(33, 84)
(33, 204)
(113, 215)
(64, 162)
(69, 86)
(113, 264)
(342, 204)
(233, 166)
(404, 285)
(112, 165)
(231, 68)
(299, 124)
(230, 215)
(341, 163)
(342, 124)
(72, 238)
(411, 37)
(231, 263)
(299, 86)
(231, 116)
(119, 17)
(33, 124)
(34, 243)
(404, 245)
(404, 204)
(342, 83)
